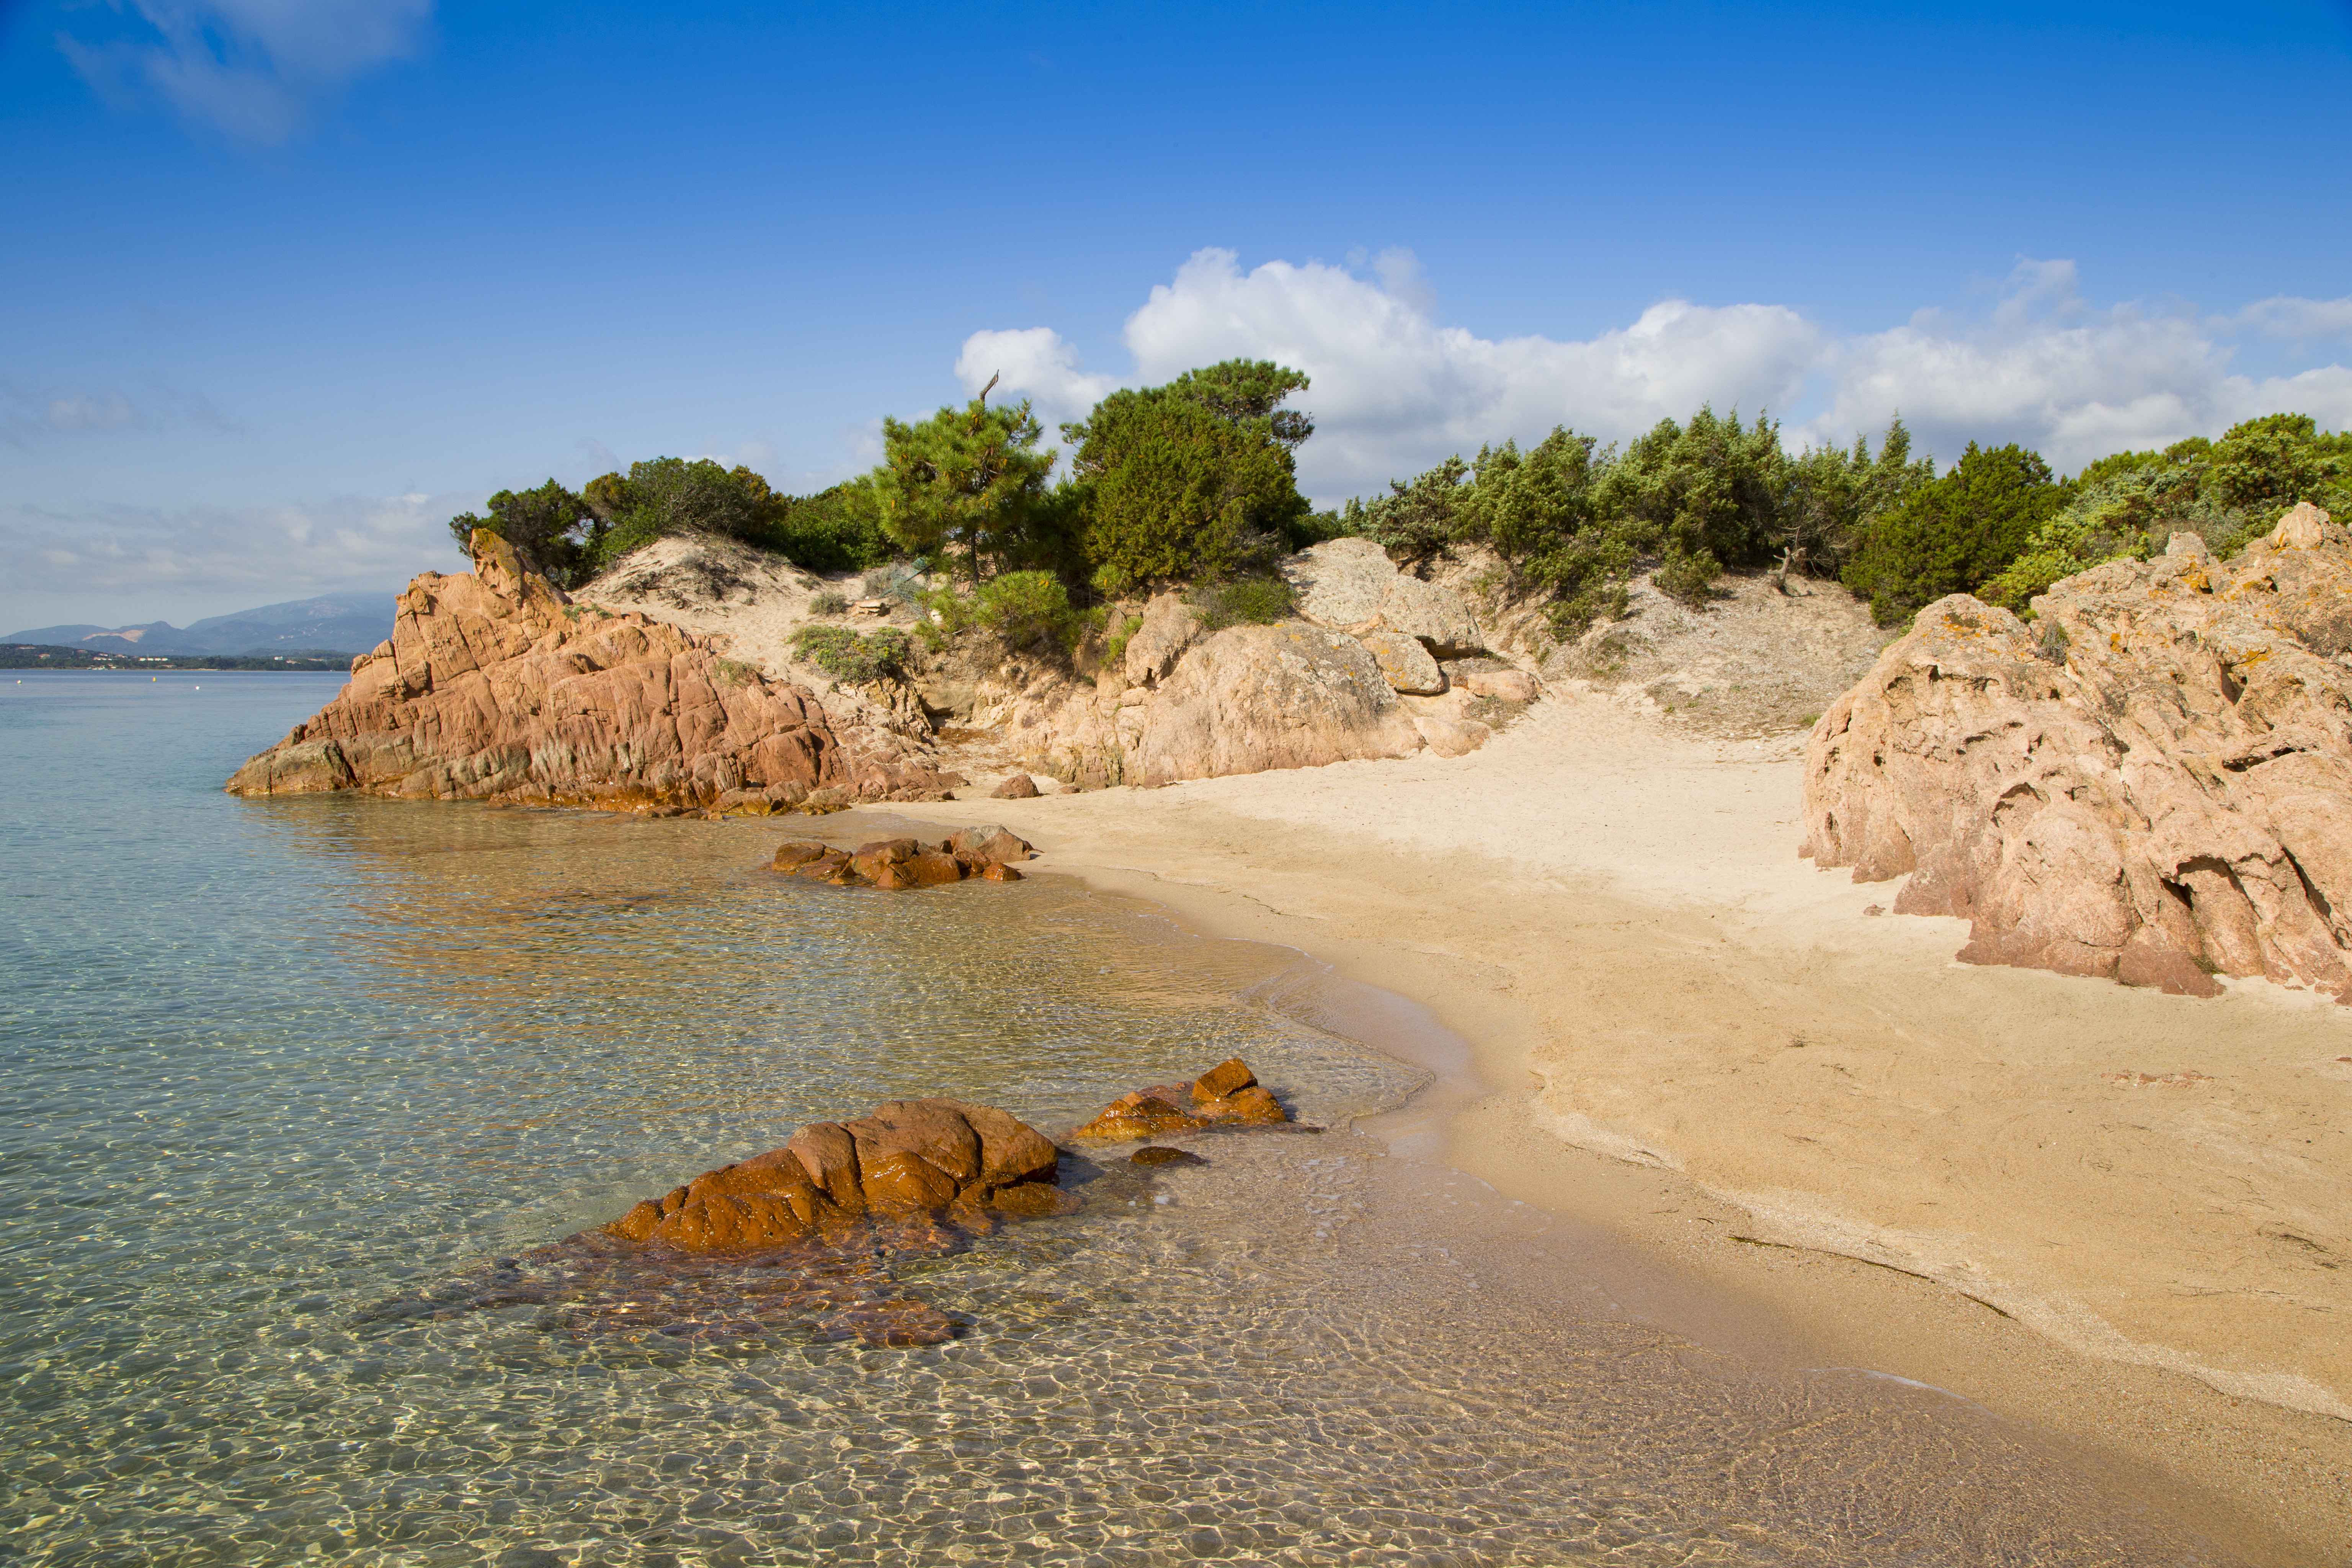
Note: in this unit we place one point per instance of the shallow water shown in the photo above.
(266, 1066)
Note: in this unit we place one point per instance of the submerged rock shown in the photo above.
(495, 686)
(2153, 783)
(1227, 1095)
(1161, 1154)
(986, 852)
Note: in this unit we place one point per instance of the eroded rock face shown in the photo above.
(494, 687)
(1351, 585)
(910, 1157)
(1251, 698)
(1170, 627)
(1227, 1095)
(2152, 782)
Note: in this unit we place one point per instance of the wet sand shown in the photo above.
(1789, 1127)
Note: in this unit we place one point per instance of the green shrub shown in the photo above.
(1114, 647)
(1023, 609)
(1953, 533)
(828, 603)
(854, 659)
(2227, 492)
(1252, 601)
(1686, 575)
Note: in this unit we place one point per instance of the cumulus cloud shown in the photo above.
(1394, 391)
(1038, 363)
(251, 69)
(116, 564)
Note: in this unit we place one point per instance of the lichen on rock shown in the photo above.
(2154, 784)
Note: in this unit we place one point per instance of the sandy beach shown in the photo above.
(2113, 1214)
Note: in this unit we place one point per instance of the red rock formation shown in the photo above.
(1226, 1095)
(2152, 782)
(910, 1158)
(494, 687)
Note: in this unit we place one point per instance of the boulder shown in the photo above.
(1251, 698)
(910, 1157)
(1020, 787)
(1226, 1095)
(1502, 685)
(1341, 583)
(991, 843)
(1405, 664)
(1451, 737)
(1170, 627)
(2153, 783)
(1436, 617)
(1351, 585)
(495, 686)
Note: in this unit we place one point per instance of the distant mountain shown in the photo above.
(338, 623)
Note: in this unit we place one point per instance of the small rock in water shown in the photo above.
(1226, 1095)
(1161, 1154)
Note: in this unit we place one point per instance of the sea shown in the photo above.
(293, 1094)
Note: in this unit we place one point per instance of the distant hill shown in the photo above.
(346, 623)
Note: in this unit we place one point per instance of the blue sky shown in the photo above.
(288, 282)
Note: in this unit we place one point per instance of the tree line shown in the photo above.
(1195, 482)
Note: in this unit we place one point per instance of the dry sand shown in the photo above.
(2122, 1217)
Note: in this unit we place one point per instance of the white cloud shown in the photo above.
(1393, 391)
(33, 417)
(1036, 363)
(2296, 320)
(116, 564)
(248, 68)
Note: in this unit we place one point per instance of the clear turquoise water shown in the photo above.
(266, 1066)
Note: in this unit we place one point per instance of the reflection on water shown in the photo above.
(268, 1067)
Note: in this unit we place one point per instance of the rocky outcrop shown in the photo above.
(1170, 627)
(988, 852)
(1350, 586)
(1227, 1095)
(494, 687)
(910, 1157)
(1248, 699)
(2153, 782)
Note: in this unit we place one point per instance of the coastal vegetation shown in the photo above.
(1193, 484)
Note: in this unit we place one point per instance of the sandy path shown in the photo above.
(1615, 916)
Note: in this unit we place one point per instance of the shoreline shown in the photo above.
(1669, 921)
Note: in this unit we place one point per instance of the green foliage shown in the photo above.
(1238, 601)
(1952, 533)
(828, 603)
(2226, 491)
(1191, 479)
(965, 479)
(837, 530)
(540, 524)
(1115, 646)
(1025, 610)
(1576, 520)
(849, 658)
(1244, 391)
